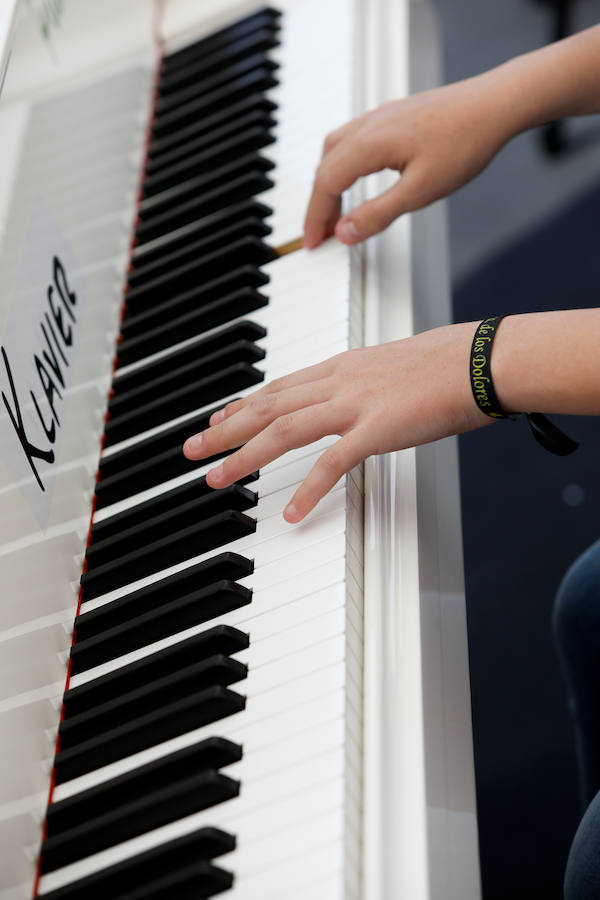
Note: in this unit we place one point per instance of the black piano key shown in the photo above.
(212, 502)
(139, 314)
(259, 41)
(166, 332)
(167, 439)
(178, 271)
(182, 366)
(156, 808)
(193, 240)
(153, 251)
(148, 473)
(219, 640)
(208, 85)
(221, 121)
(199, 538)
(153, 521)
(143, 254)
(267, 17)
(197, 186)
(210, 300)
(217, 670)
(238, 145)
(152, 471)
(146, 731)
(202, 348)
(79, 808)
(115, 882)
(192, 396)
(180, 375)
(171, 617)
(198, 880)
(130, 477)
(206, 143)
(259, 79)
(248, 184)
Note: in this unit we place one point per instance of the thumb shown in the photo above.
(374, 215)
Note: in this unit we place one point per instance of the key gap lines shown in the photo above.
(107, 598)
(222, 727)
(253, 543)
(130, 848)
(332, 811)
(240, 684)
(302, 453)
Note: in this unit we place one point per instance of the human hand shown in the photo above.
(437, 140)
(377, 399)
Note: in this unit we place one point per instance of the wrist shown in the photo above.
(456, 385)
(512, 96)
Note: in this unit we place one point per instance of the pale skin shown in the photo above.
(542, 362)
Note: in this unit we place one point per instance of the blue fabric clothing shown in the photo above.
(577, 633)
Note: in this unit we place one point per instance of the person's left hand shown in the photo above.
(377, 399)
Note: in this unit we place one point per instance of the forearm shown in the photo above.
(549, 362)
(562, 79)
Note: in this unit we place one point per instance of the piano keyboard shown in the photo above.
(210, 732)
(212, 737)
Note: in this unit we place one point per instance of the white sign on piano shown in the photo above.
(39, 348)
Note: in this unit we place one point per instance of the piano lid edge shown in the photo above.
(420, 826)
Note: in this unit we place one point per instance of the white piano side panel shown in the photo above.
(420, 821)
(69, 189)
(451, 802)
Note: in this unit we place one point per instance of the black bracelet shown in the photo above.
(482, 385)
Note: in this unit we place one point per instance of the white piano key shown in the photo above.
(308, 869)
(295, 841)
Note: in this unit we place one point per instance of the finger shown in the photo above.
(331, 141)
(344, 131)
(358, 155)
(373, 216)
(338, 459)
(254, 418)
(303, 376)
(287, 432)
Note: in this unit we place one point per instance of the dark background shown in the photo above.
(524, 236)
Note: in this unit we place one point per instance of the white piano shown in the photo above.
(252, 708)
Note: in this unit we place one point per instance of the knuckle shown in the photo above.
(283, 426)
(232, 407)
(323, 176)
(365, 137)
(337, 361)
(276, 385)
(265, 406)
(330, 142)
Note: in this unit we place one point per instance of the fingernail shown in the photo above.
(217, 417)
(347, 231)
(291, 513)
(216, 473)
(193, 444)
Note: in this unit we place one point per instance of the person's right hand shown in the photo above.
(437, 141)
